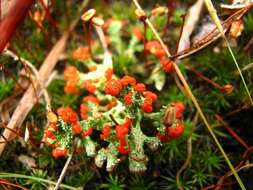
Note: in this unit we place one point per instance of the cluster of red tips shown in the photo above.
(81, 53)
(138, 33)
(176, 129)
(76, 128)
(89, 86)
(49, 134)
(121, 131)
(71, 75)
(127, 80)
(84, 110)
(91, 98)
(128, 98)
(113, 87)
(154, 47)
(67, 114)
(180, 108)
(108, 74)
(106, 130)
(140, 87)
(167, 65)
(59, 152)
(87, 132)
(150, 98)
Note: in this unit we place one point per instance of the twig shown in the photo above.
(200, 75)
(63, 172)
(232, 132)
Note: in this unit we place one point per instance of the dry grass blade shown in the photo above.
(195, 102)
(213, 14)
(63, 172)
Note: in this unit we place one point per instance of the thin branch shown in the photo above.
(63, 172)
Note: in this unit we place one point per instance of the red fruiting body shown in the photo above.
(138, 33)
(59, 152)
(52, 127)
(91, 98)
(105, 132)
(123, 129)
(49, 133)
(71, 74)
(67, 114)
(76, 129)
(179, 109)
(162, 138)
(139, 87)
(81, 53)
(88, 132)
(151, 95)
(108, 74)
(89, 86)
(71, 88)
(84, 111)
(155, 48)
(128, 122)
(122, 150)
(128, 98)
(175, 132)
(113, 87)
(127, 80)
(147, 105)
(167, 65)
